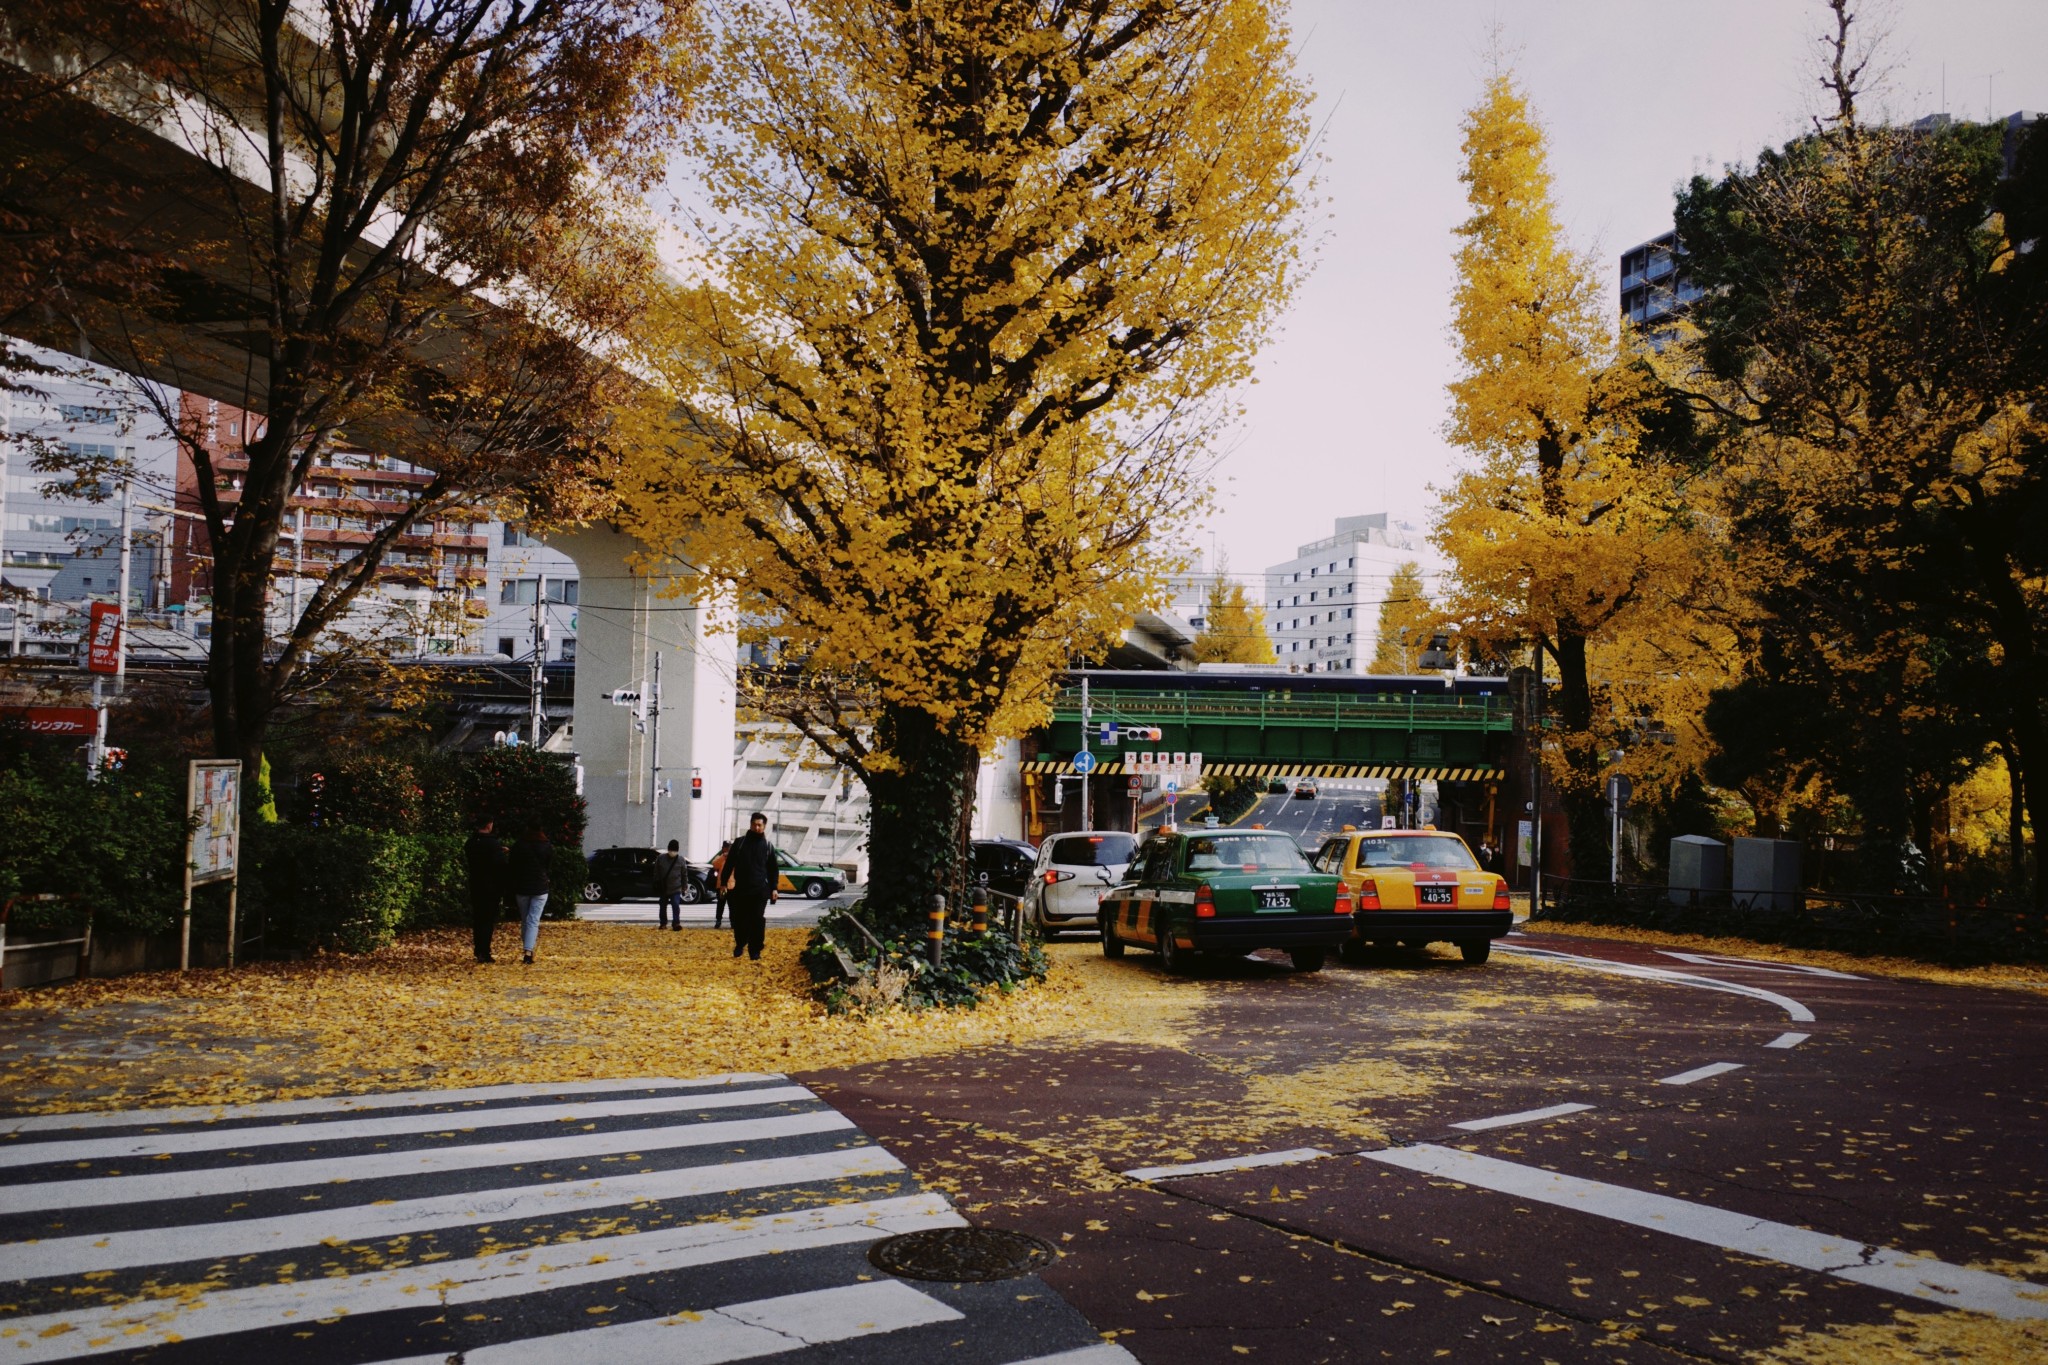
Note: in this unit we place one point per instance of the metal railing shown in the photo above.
(1320, 710)
(1926, 927)
(83, 942)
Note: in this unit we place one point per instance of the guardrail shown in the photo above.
(1323, 710)
(83, 942)
(1927, 927)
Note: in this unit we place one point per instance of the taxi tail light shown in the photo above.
(1369, 896)
(1500, 897)
(1205, 903)
(1345, 904)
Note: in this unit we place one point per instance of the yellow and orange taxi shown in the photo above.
(1416, 886)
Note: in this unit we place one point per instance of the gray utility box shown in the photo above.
(1766, 875)
(1697, 864)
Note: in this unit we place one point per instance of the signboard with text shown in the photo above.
(213, 806)
(79, 721)
(103, 639)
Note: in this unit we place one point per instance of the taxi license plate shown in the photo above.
(1437, 895)
(1276, 900)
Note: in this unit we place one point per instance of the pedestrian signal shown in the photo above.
(696, 789)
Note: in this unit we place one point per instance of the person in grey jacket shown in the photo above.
(530, 860)
(668, 885)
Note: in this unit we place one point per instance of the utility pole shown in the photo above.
(540, 653)
(654, 747)
(1085, 784)
(1536, 786)
(127, 544)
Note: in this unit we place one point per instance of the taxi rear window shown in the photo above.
(1264, 852)
(1093, 850)
(1399, 851)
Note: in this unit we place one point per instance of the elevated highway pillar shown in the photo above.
(623, 620)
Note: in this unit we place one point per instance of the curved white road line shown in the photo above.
(1786, 1003)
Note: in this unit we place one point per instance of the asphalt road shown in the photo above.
(1683, 1161)
(1335, 805)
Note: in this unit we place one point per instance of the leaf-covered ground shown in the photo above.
(603, 1001)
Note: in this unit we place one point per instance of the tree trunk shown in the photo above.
(916, 813)
(1580, 790)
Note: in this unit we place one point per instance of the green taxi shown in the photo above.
(1225, 893)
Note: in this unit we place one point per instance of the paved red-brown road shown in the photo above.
(1866, 1145)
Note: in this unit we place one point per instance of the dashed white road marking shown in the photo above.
(1701, 1073)
(1798, 1012)
(1233, 1163)
(1755, 964)
(1788, 1040)
(1105, 1354)
(1526, 1116)
(738, 1331)
(1952, 1286)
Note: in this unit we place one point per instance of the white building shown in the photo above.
(1323, 606)
(521, 570)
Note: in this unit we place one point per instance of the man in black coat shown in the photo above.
(750, 879)
(484, 858)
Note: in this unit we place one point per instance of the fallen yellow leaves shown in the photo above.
(2009, 975)
(603, 1001)
(1911, 1337)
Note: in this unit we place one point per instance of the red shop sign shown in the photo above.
(82, 721)
(103, 653)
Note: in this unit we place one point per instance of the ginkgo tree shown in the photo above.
(1562, 538)
(975, 274)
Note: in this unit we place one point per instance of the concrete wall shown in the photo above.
(623, 620)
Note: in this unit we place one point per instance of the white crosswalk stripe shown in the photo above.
(628, 1221)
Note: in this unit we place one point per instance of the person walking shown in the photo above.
(529, 863)
(484, 859)
(668, 885)
(749, 879)
(718, 883)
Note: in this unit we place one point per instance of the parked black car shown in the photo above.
(1004, 865)
(618, 874)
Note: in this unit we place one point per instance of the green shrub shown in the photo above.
(518, 785)
(372, 791)
(334, 887)
(971, 964)
(442, 896)
(118, 842)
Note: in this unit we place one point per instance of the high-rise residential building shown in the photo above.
(427, 597)
(1323, 606)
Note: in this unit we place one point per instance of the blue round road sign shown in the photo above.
(1084, 763)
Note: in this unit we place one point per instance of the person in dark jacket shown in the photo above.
(668, 885)
(530, 860)
(749, 879)
(484, 859)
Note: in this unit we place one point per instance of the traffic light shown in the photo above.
(696, 789)
(1150, 732)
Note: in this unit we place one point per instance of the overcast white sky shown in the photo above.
(1636, 95)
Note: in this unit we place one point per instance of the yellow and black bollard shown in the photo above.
(935, 936)
(980, 919)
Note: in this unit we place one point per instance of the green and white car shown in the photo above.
(1225, 893)
(811, 880)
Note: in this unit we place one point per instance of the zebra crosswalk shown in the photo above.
(711, 1219)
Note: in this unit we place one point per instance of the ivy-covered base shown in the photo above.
(851, 975)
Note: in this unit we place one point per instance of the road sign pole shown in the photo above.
(1084, 749)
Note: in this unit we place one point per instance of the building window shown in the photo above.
(1347, 613)
(1297, 596)
(568, 651)
(1351, 563)
(1311, 572)
(1311, 597)
(517, 592)
(508, 646)
(87, 416)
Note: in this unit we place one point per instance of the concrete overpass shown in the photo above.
(154, 183)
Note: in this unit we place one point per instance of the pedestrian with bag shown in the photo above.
(669, 872)
(531, 858)
(483, 858)
(718, 882)
(749, 879)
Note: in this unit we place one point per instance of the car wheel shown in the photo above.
(1170, 956)
(814, 889)
(1476, 950)
(692, 892)
(1112, 946)
(593, 894)
(1308, 959)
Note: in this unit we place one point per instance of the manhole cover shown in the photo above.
(957, 1254)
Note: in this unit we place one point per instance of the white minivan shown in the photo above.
(1072, 873)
